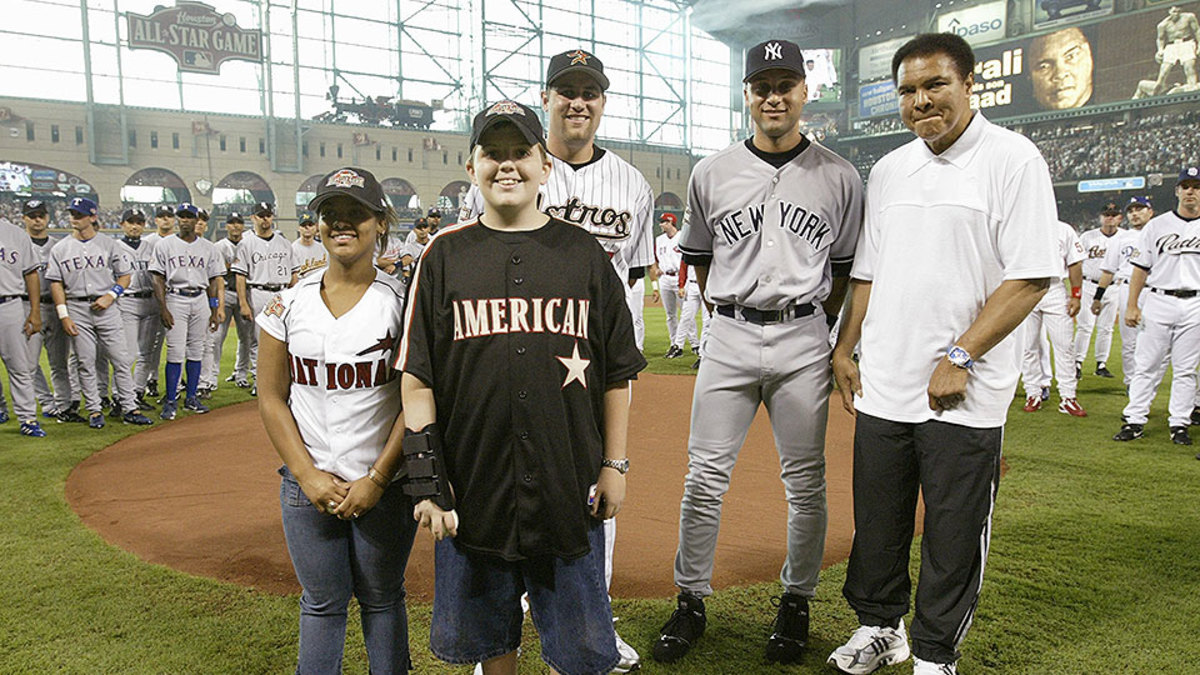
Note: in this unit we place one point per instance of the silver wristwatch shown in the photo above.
(621, 465)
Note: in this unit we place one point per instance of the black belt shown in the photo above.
(47, 298)
(1094, 281)
(267, 287)
(1176, 292)
(6, 298)
(86, 298)
(186, 292)
(139, 294)
(766, 316)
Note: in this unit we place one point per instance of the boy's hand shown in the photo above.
(610, 493)
(441, 523)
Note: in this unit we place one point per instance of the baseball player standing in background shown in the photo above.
(263, 265)
(19, 281)
(958, 247)
(666, 252)
(770, 227)
(81, 270)
(1117, 269)
(1095, 244)
(1053, 315)
(349, 528)
(235, 227)
(310, 255)
(139, 309)
(164, 223)
(1166, 263)
(187, 284)
(56, 404)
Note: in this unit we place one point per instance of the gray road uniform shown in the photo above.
(56, 342)
(226, 250)
(268, 265)
(774, 230)
(154, 357)
(86, 270)
(187, 269)
(139, 313)
(17, 259)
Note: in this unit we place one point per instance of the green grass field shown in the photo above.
(1094, 568)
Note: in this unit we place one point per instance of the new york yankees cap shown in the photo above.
(164, 210)
(264, 209)
(773, 54)
(187, 209)
(33, 206)
(1139, 201)
(521, 116)
(1189, 173)
(574, 61)
(82, 205)
(130, 215)
(1110, 209)
(353, 182)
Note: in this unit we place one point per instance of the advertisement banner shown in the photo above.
(195, 35)
(1050, 13)
(875, 61)
(878, 99)
(978, 25)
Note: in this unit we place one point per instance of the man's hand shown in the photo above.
(1133, 316)
(1073, 307)
(441, 523)
(610, 493)
(69, 326)
(33, 324)
(244, 310)
(168, 321)
(1096, 307)
(845, 374)
(947, 386)
(102, 303)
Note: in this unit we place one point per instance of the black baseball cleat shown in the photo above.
(790, 633)
(116, 411)
(152, 388)
(696, 365)
(1102, 371)
(70, 416)
(1079, 371)
(1128, 432)
(96, 420)
(673, 353)
(1196, 416)
(105, 403)
(137, 418)
(1179, 436)
(685, 626)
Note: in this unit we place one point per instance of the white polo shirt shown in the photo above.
(344, 395)
(942, 232)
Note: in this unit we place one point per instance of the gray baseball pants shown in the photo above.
(241, 367)
(58, 350)
(14, 350)
(95, 329)
(185, 340)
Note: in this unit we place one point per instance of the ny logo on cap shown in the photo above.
(345, 179)
(506, 108)
(579, 56)
(773, 51)
(33, 204)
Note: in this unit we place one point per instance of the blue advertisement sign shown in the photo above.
(878, 99)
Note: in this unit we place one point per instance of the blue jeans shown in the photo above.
(335, 559)
(477, 607)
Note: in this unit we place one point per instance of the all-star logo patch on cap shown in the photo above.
(521, 116)
(353, 182)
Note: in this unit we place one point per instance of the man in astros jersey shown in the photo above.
(264, 265)
(1052, 315)
(18, 281)
(770, 229)
(186, 272)
(1095, 245)
(81, 270)
(1166, 269)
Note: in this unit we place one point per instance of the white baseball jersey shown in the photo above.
(266, 262)
(1169, 249)
(17, 258)
(1095, 245)
(344, 394)
(606, 196)
(186, 265)
(139, 260)
(666, 250)
(309, 258)
(87, 268)
(1070, 251)
(774, 234)
(1120, 249)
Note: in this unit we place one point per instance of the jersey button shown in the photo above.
(522, 395)
(520, 351)
(528, 478)
(524, 435)
(519, 280)
(516, 260)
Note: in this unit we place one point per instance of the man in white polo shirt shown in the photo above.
(958, 246)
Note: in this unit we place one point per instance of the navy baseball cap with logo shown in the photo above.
(433, 212)
(235, 217)
(164, 210)
(773, 54)
(33, 207)
(187, 209)
(1111, 209)
(131, 215)
(82, 205)
(521, 116)
(1139, 201)
(264, 209)
(353, 182)
(576, 61)
(1191, 173)
(307, 219)
(202, 213)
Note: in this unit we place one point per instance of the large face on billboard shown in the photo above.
(1061, 69)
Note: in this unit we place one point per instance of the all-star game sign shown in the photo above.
(195, 35)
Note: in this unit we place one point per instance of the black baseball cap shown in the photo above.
(307, 219)
(264, 209)
(130, 215)
(420, 222)
(235, 217)
(353, 182)
(202, 214)
(521, 116)
(573, 61)
(773, 54)
(1188, 173)
(1111, 209)
(434, 212)
(34, 206)
(164, 210)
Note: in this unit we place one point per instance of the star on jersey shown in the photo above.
(383, 344)
(576, 367)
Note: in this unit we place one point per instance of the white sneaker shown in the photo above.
(930, 668)
(871, 648)
(630, 659)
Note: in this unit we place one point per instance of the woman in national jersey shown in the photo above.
(331, 405)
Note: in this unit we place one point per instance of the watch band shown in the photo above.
(621, 465)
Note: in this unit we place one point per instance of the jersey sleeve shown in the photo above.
(1075, 253)
(120, 263)
(866, 253)
(239, 265)
(640, 251)
(841, 253)
(415, 355)
(695, 242)
(53, 265)
(1025, 236)
(276, 314)
(216, 265)
(623, 361)
(1143, 251)
(158, 261)
(25, 250)
(471, 206)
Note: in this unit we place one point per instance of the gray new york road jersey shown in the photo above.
(87, 268)
(265, 261)
(17, 258)
(186, 265)
(773, 234)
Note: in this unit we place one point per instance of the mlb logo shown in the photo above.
(197, 59)
(345, 179)
(505, 108)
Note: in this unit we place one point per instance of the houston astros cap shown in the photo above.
(773, 54)
(235, 217)
(1110, 209)
(420, 223)
(353, 182)
(1138, 201)
(82, 205)
(264, 209)
(1189, 173)
(131, 215)
(573, 61)
(187, 209)
(33, 206)
(521, 116)
(164, 210)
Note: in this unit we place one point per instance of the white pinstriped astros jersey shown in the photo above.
(1095, 246)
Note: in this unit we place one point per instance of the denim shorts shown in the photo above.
(477, 607)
